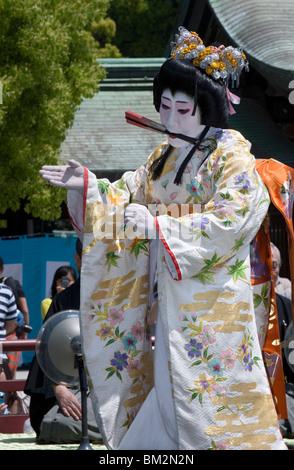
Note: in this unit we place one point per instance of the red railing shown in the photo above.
(10, 424)
(18, 345)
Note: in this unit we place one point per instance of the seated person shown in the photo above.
(16, 402)
(285, 317)
(282, 284)
(64, 277)
(55, 410)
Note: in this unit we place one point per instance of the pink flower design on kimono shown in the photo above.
(207, 180)
(217, 391)
(188, 169)
(157, 201)
(222, 446)
(138, 330)
(115, 316)
(207, 335)
(228, 358)
(132, 416)
(173, 195)
(224, 208)
(133, 365)
(207, 172)
(98, 304)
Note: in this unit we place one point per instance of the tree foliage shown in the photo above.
(143, 27)
(48, 64)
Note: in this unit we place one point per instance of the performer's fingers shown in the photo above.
(50, 174)
(56, 168)
(54, 181)
(73, 163)
(51, 177)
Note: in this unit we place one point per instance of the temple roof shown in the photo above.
(100, 138)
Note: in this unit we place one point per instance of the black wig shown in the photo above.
(209, 94)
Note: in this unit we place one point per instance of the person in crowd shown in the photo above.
(64, 277)
(8, 319)
(55, 410)
(16, 402)
(208, 388)
(22, 306)
(282, 284)
(8, 312)
(18, 292)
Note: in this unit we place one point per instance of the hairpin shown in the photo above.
(221, 63)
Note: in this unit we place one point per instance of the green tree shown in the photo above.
(143, 27)
(48, 64)
(104, 31)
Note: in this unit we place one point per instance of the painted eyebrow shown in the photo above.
(181, 102)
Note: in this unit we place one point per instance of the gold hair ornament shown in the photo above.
(221, 63)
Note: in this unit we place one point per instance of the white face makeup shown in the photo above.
(176, 115)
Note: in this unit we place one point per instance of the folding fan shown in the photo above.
(145, 123)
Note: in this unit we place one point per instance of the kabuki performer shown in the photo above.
(193, 221)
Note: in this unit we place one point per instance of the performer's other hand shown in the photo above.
(139, 222)
(69, 176)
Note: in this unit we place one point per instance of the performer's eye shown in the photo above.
(183, 111)
(164, 106)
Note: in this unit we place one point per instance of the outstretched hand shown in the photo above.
(69, 176)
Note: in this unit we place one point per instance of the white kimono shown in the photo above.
(210, 388)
